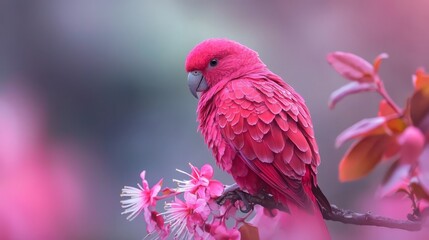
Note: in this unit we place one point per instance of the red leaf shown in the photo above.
(377, 61)
(393, 149)
(351, 66)
(365, 127)
(249, 232)
(351, 88)
(385, 109)
(419, 105)
(362, 157)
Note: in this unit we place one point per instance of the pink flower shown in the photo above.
(139, 198)
(185, 217)
(220, 232)
(155, 224)
(201, 182)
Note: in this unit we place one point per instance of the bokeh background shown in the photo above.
(93, 92)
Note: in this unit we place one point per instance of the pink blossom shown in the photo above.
(139, 198)
(220, 232)
(155, 224)
(201, 182)
(185, 217)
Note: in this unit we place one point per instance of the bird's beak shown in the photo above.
(196, 82)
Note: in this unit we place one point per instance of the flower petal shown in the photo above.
(207, 171)
(144, 182)
(215, 188)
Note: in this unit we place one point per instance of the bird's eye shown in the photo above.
(213, 62)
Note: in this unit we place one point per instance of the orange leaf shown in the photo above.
(396, 125)
(420, 79)
(167, 191)
(377, 61)
(249, 232)
(385, 109)
(362, 157)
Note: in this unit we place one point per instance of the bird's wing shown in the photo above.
(270, 127)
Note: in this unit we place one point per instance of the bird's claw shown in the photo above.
(248, 206)
(235, 195)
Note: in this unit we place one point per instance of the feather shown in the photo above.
(263, 153)
(299, 140)
(267, 117)
(275, 139)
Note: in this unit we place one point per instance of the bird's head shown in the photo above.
(214, 60)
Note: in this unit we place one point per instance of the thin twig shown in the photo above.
(369, 219)
(336, 214)
(382, 91)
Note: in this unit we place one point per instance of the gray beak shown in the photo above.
(196, 82)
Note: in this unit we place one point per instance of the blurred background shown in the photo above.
(93, 92)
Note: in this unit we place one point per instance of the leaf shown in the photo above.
(362, 157)
(393, 148)
(419, 105)
(249, 232)
(385, 109)
(420, 79)
(395, 179)
(396, 125)
(419, 190)
(351, 88)
(167, 191)
(351, 66)
(377, 61)
(365, 127)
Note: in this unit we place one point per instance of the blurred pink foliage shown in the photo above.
(41, 190)
(397, 135)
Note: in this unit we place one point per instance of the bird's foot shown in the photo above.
(234, 194)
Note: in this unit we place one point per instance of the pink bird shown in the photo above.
(260, 131)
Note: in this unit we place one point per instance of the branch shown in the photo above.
(369, 219)
(335, 214)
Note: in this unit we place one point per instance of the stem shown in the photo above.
(382, 91)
